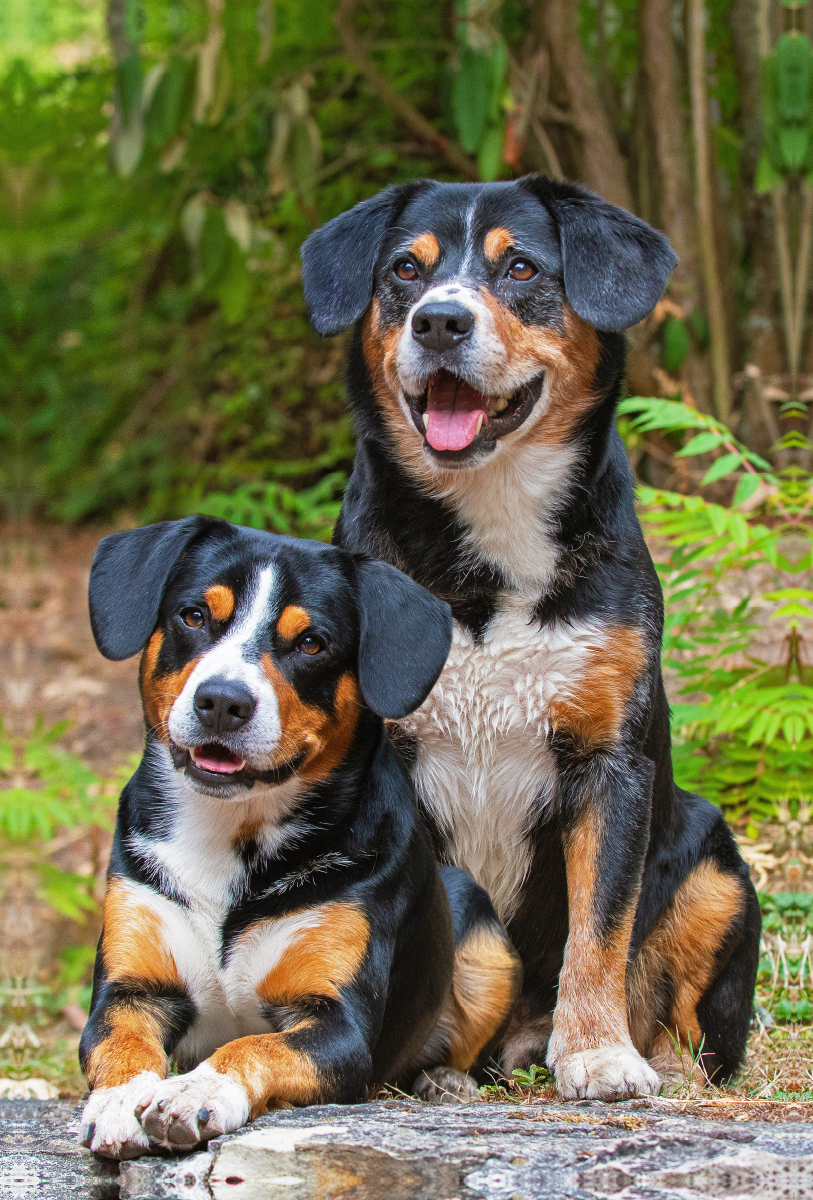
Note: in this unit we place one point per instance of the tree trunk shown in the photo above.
(720, 363)
(554, 23)
(667, 123)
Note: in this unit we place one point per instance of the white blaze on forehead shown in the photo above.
(227, 660)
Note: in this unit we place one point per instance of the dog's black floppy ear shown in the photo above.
(615, 265)
(405, 635)
(127, 581)
(339, 259)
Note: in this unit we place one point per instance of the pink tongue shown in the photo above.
(217, 759)
(454, 408)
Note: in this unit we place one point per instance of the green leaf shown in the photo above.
(128, 85)
(489, 156)
(471, 90)
(701, 443)
(213, 246)
(676, 346)
(163, 114)
(793, 61)
(745, 488)
(721, 467)
(234, 286)
(793, 144)
(767, 177)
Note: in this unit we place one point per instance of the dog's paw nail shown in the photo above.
(87, 1133)
(161, 1105)
(203, 1116)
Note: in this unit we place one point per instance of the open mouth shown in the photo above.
(454, 417)
(217, 766)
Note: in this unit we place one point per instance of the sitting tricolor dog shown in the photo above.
(274, 920)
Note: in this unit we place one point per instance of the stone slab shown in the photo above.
(407, 1151)
(41, 1159)
(402, 1150)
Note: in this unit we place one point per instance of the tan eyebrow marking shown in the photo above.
(293, 620)
(497, 242)
(220, 600)
(426, 248)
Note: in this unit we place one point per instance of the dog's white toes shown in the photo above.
(193, 1108)
(110, 1126)
(607, 1073)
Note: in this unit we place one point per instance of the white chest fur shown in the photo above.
(484, 769)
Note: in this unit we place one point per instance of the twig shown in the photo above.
(541, 136)
(419, 125)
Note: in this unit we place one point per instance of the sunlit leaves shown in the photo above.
(744, 730)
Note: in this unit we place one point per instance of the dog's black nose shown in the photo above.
(223, 705)
(442, 325)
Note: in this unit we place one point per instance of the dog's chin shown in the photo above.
(216, 770)
(502, 415)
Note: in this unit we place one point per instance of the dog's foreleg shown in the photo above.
(605, 832)
(323, 1059)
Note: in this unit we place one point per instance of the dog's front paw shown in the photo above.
(607, 1073)
(444, 1085)
(110, 1126)
(193, 1108)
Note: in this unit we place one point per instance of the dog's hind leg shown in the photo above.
(485, 986)
(691, 986)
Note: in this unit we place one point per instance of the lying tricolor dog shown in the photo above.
(486, 364)
(274, 919)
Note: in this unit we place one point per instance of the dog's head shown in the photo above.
(260, 651)
(481, 304)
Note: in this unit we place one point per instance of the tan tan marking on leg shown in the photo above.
(497, 241)
(594, 710)
(485, 985)
(293, 620)
(220, 601)
(682, 948)
(426, 248)
(133, 1044)
(133, 941)
(272, 1072)
(319, 962)
(592, 1006)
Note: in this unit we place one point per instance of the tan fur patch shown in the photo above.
(485, 985)
(592, 1008)
(293, 620)
(324, 739)
(320, 961)
(594, 715)
(220, 601)
(569, 360)
(132, 1045)
(133, 945)
(380, 348)
(426, 248)
(496, 243)
(681, 951)
(272, 1072)
(159, 692)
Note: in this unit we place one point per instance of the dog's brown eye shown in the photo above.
(310, 644)
(193, 617)
(407, 271)
(521, 270)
